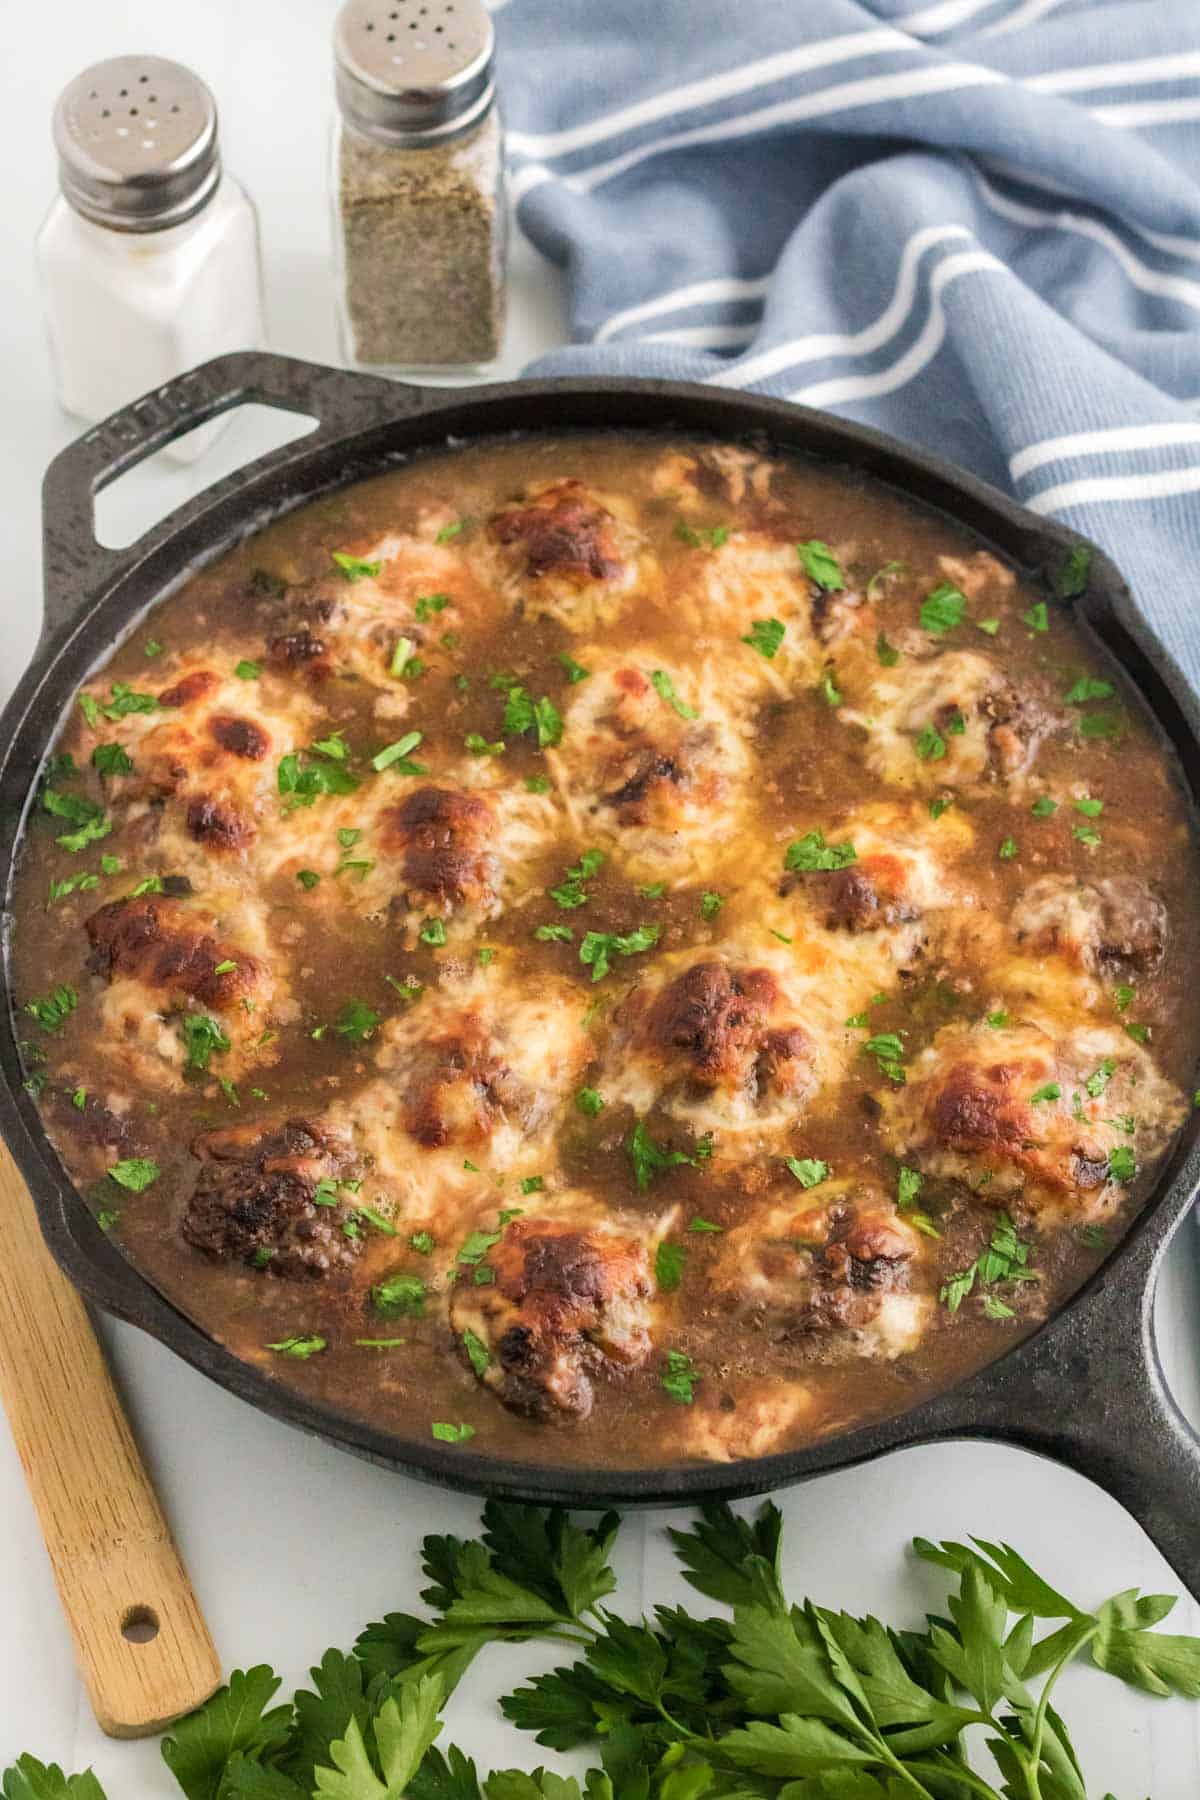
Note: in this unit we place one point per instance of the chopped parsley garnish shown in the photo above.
(1139, 1033)
(444, 1432)
(765, 636)
(1088, 688)
(402, 651)
(704, 1225)
(809, 1171)
(654, 890)
(1091, 809)
(533, 1184)
(400, 1296)
(353, 567)
(880, 576)
(829, 690)
(1072, 577)
(668, 1266)
(1122, 1164)
(110, 865)
(1043, 806)
(247, 670)
(1050, 1090)
(538, 784)
(478, 1354)
(112, 759)
(681, 1378)
(1100, 1078)
(1094, 1236)
(574, 671)
(477, 1245)
(485, 956)
(79, 1098)
(122, 701)
(590, 1102)
(812, 852)
(52, 1010)
(348, 836)
(821, 565)
(422, 1242)
(303, 783)
(479, 746)
(1123, 997)
(1005, 1259)
(571, 892)
(1087, 834)
(930, 745)
(908, 1186)
(709, 537)
(997, 1020)
(356, 1021)
(1007, 850)
(1099, 725)
(940, 804)
(433, 931)
(455, 529)
(202, 1037)
(598, 947)
(135, 1173)
(69, 885)
(300, 1347)
(1037, 618)
(426, 605)
(711, 904)
(397, 754)
(664, 687)
(942, 609)
(554, 934)
(991, 626)
(888, 1051)
(149, 884)
(91, 819)
(308, 878)
(650, 1159)
(886, 652)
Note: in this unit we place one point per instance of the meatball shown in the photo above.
(1023, 1116)
(716, 1021)
(835, 1272)
(268, 1196)
(1113, 926)
(159, 942)
(444, 839)
(570, 1299)
(562, 531)
(954, 720)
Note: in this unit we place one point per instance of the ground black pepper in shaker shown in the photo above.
(418, 173)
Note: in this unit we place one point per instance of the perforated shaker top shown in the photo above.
(137, 143)
(414, 72)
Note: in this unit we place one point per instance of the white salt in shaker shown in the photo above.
(149, 257)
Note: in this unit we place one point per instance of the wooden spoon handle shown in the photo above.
(143, 1648)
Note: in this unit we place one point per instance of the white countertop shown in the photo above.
(293, 1546)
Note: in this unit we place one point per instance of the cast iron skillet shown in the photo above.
(1087, 1389)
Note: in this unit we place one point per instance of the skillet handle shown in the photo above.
(1089, 1392)
(78, 569)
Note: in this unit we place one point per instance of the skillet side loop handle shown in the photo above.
(1090, 1393)
(76, 567)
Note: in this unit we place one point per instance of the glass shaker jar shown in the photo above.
(418, 183)
(148, 258)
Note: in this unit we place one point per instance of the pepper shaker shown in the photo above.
(149, 257)
(418, 181)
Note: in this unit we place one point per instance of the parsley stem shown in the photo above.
(963, 1776)
(1033, 1780)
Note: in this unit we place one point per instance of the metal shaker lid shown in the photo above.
(414, 73)
(137, 143)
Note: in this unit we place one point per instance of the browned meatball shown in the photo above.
(444, 838)
(570, 1298)
(564, 532)
(1114, 925)
(259, 1198)
(158, 941)
(717, 1018)
(460, 1087)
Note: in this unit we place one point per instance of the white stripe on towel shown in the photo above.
(1100, 443)
(1116, 487)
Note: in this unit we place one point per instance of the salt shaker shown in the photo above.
(418, 180)
(149, 256)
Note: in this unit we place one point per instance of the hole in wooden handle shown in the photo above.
(139, 1624)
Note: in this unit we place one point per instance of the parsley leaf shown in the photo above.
(353, 567)
(942, 609)
(765, 636)
(598, 947)
(668, 1266)
(821, 565)
(664, 687)
(681, 1378)
(1074, 571)
(357, 1021)
(812, 852)
(809, 1171)
(650, 1159)
(134, 1174)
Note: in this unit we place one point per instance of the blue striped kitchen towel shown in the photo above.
(973, 223)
